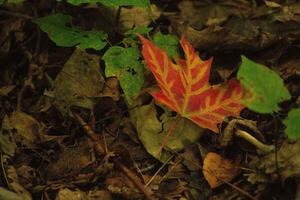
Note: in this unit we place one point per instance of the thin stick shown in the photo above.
(89, 131)
(101, 149)
(152, 178)
(146, 191)
(238, 189)
(169, 132)
(15, 14)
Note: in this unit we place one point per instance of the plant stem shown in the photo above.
(262, 147)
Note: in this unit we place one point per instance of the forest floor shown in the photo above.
(72, 126)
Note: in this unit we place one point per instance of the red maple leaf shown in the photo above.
(184, 86)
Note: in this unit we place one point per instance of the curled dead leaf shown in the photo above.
(217, 170)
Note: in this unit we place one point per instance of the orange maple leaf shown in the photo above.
(184, 86)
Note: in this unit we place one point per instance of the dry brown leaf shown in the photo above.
(129, 19)
(27, 126)
(68, 194)
(111, 89)
(217, 169)
(71, 161)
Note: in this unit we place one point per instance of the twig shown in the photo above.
(6, 12)
(101, 149)
(27, 83)
(238, 189)
(169, 132)
(161, 168)
(89, 131)
(146, 191)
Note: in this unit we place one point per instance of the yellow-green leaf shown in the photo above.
(266, 87)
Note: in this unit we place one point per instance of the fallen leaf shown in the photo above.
(9, 195)
(4, 90)
(139, 3)
(26, 125)
(111, 89)
(122, 186)
(71, 161)
(67, 194)
(217, 169)
(184, 86)
(13, 180)
(99, 194)
(7, 142)
(8, 28)
(79, 82)
(203, 13)
(240, 24)
(128, 17)
(191, 158)
(286, 163)
(152, 131)
(27, 175)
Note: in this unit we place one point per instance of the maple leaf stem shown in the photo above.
(263, 147)
(169, 132)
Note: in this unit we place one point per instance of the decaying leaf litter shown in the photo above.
(78, 120)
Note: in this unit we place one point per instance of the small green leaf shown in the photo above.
(12, 1)
(169, 43)
(265, 86)
(124, 63)
(140, 30)
(131, 35)
(292, 123)
(138, 3)
(62, 35)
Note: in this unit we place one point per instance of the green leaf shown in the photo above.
(131, 35)
(265, 86)
(140, 30)
(168, 43)
(62, 35)
(138, 3)
(153, 130)
(292, 123)
(124, 63)
(11, 1)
